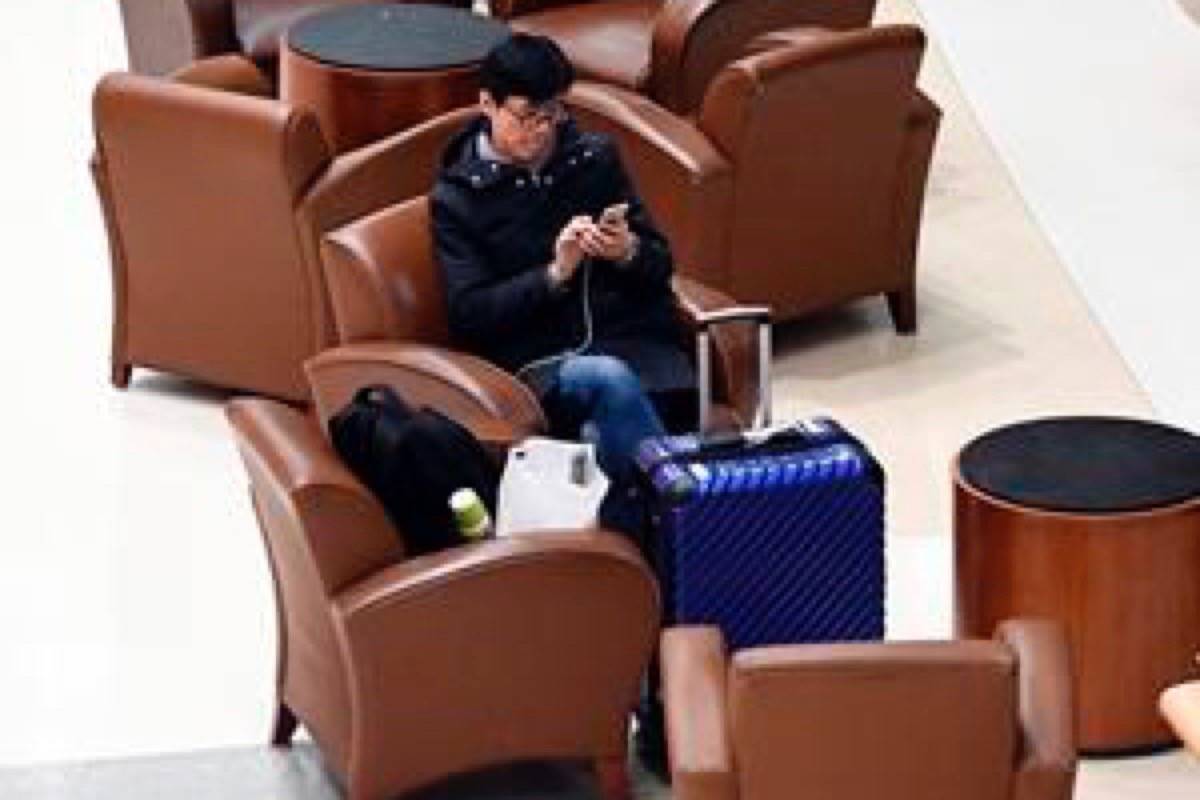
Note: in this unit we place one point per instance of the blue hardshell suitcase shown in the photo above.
(774, 535)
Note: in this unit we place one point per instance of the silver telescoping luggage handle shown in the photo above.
(761, 315)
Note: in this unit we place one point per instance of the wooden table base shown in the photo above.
(357, 106)
(1126, 585)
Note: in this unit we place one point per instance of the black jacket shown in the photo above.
(494, 230)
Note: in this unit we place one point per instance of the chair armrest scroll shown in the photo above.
(285, 453)
(228, 73)
(493, 404)
(1045, 707)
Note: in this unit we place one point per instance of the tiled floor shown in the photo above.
(133, 589)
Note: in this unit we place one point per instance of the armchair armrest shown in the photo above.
(435, 571)
(734, 372)
(286, 454)
(695, 672)
(527, 644)
(693, 39)
(686, 182)
(228, 73)
(494, 405)
(164, 35)
(1180, 706)
(1046, 709)
(397, 168)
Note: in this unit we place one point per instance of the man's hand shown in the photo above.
(611, 240)
(568, 249)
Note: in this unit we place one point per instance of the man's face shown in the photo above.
(522, 132)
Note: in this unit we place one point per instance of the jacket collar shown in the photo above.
(462, 163)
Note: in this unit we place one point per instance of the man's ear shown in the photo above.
(486, 101)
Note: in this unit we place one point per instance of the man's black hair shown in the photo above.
(525, 65)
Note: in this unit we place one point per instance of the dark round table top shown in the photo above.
(1085, 464)
(385, 36)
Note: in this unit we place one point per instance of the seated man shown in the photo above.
(553, 268)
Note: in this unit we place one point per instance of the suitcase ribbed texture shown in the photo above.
(778, 544)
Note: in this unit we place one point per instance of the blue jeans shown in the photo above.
(606, 399)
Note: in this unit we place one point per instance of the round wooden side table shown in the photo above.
(371, 70)
(1095, 522)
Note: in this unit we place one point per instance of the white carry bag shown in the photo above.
(549, 484)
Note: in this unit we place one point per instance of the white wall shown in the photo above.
(1095, 107)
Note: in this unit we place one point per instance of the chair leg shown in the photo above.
(612, 774)
(283, 727)
(120, 374)
(902, 305)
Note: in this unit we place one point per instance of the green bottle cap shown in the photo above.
(469, 512)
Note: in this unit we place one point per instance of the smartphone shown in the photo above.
(614, 214)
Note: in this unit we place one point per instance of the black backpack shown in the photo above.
(413, 461)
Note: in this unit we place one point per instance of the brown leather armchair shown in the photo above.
(669, 49)
(215, 197)
(163, 35)
(409, 670)
(1180, 706)
(800, 181)
(967, 720)
(389, 308)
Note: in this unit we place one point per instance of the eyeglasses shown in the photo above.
(544, 116)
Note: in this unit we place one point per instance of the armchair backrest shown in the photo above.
(814, 126)
(692, 41)
(386, 289)
(938, 719)
(201, 188)
(684, 181)
(323, 531)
